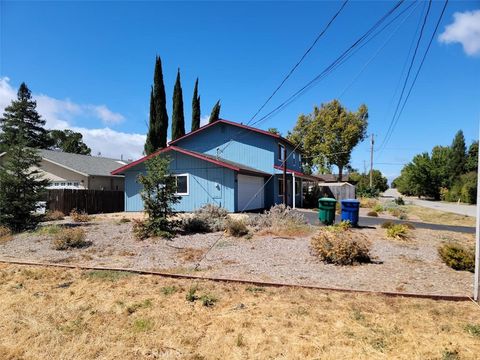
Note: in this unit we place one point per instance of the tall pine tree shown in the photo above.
(215, 114)
(195, 108)
(21, 186)
(178, 118)
(21, 118)
(158, 124)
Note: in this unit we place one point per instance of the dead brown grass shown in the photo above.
(5, 234)
(69, 314)
(191, 254)
(439, 217)
(288, 231)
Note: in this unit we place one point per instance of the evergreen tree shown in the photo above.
(158, 125)
(195, 108)
(68, 141)
(153, 140)
(178, 118)
(472, 158)
(458, 156)
(215, 114)
(22, 118)
(21, 186)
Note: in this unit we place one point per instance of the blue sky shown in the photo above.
(90, 64)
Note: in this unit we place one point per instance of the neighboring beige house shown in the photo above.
(73, 171)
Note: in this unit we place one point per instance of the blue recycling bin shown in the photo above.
(350, 209)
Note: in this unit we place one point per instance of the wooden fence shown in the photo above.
(89, 201)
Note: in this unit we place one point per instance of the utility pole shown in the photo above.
(285, 175)
(476, 287)
(371, 162)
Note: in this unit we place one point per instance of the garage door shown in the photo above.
(250, 192)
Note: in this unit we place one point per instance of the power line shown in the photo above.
(324, 30)
(418, 70)
(332, 66)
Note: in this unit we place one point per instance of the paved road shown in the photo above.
(312, 218)
(461, 209)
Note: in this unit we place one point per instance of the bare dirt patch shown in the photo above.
(70, 314)
(406, 266)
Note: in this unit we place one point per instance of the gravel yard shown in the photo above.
(402, 266)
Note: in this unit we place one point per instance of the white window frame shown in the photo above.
(281, 153)
(188, 184)
(294, 158)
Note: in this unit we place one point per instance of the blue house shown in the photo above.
(228, 164)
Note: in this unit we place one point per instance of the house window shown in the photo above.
(281, 152)
(299, 159)
(182, 184)
(294, 157)
(280, 187)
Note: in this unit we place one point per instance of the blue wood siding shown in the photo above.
(247, 147)
(208, 183)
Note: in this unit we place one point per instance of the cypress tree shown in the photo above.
(195, 108)
(158, 126)
(21, 118)
(458, 156)
(178, 118)
(153, 140)
(215, 114)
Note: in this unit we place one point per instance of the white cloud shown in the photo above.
(105, 114)
(61, 114)
(204, 120)
(465, 30)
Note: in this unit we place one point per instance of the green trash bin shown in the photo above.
(326, 210)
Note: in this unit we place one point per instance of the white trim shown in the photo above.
(188, 184)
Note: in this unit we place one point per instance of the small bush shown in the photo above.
(457, 257)
(53, 215)
(236, 227)
(403, 216)
(368, 203)
(397, 231)
(5, 234)
(70, 238)
(387, 224)
(192, 294)
(124, 220)
(409, 225)
(206, 219)
(169, 290)
(79, 217)
(378, 208)
(372, 213)
(280, 220)
(341, 247)
(144, 229)
(399, 201)
(194, 225)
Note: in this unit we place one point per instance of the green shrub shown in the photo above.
(403, 216)
(208, 300)
(341, 247)
(378, 208)
(399, 201)
(473, 329)
(144, 229)
(397, 231)
(49, 230)
(192, 294)
(70, 238)
(372, 213)
(195, 224)
(457, 257)
(236, 227)
(206, 219)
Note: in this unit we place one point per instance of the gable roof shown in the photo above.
(212, 159)
(241, 126)
(83, 164)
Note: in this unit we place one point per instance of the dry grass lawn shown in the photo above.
(439, 217)
(52, 313)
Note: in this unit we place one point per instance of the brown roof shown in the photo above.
(331, 177)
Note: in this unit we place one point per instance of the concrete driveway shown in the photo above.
(461, 209)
